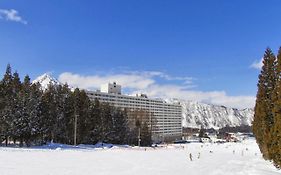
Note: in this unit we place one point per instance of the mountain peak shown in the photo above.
(46, 79)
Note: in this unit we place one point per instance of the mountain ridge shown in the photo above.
(197, 115)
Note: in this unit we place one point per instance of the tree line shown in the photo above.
(267, 118)
(31, 115)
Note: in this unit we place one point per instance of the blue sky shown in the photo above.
(197, 50)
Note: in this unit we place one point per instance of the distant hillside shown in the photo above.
(197, 115)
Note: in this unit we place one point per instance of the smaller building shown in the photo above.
(231, 137)
(111, 88)
(205, 139)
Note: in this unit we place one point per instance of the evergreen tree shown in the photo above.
(95, 126)
(2, 106)
(81, 115)
(119, 126)
(35, 108)
(6, 111)
(106, 123)
(68, 113)
(263, 118)
(83, 119)
(49, 112)
(34, 116)
(275, 132)
(22, 115)
(58, 104)
(60, 123)
(31, 115)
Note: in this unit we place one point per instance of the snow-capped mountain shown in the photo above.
(45, 80)
(197, 115)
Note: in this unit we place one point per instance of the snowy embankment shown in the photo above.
(208, 159)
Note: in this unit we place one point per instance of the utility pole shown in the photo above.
(139, 140)
(75, 129)
(150, 118)
(138, 125)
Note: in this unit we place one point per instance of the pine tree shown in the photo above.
(2, 106)
(31, 115)
(39, 119)
(95, 126)
(28, 122)
(22, 115)
(6, 103)
(275, 138)
(57, 104)
(35, 108)
(275, 132)
(50, 113)
(120, 126)
(68, 113)
(263, 118)
(106, 123)
(83, 120)
(60, 96)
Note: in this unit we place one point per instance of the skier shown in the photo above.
(190, 157)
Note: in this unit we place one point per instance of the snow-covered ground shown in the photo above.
(226, 159)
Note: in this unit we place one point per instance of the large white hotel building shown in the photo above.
(168, 115)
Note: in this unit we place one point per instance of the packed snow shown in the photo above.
(207, 159)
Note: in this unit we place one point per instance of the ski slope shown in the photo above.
(225, 159)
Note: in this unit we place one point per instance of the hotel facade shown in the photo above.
(168, 115)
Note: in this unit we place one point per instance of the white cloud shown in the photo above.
(211, 97)
(145, 82)
(257, 64)
(11, 15)
(133, 81)
(163, 75)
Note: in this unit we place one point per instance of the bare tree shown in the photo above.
(143, 123)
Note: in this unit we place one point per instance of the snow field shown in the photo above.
(226, 159)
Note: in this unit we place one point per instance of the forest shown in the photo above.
(30, 115)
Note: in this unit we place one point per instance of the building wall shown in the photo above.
(111, 88)
(168, 116)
